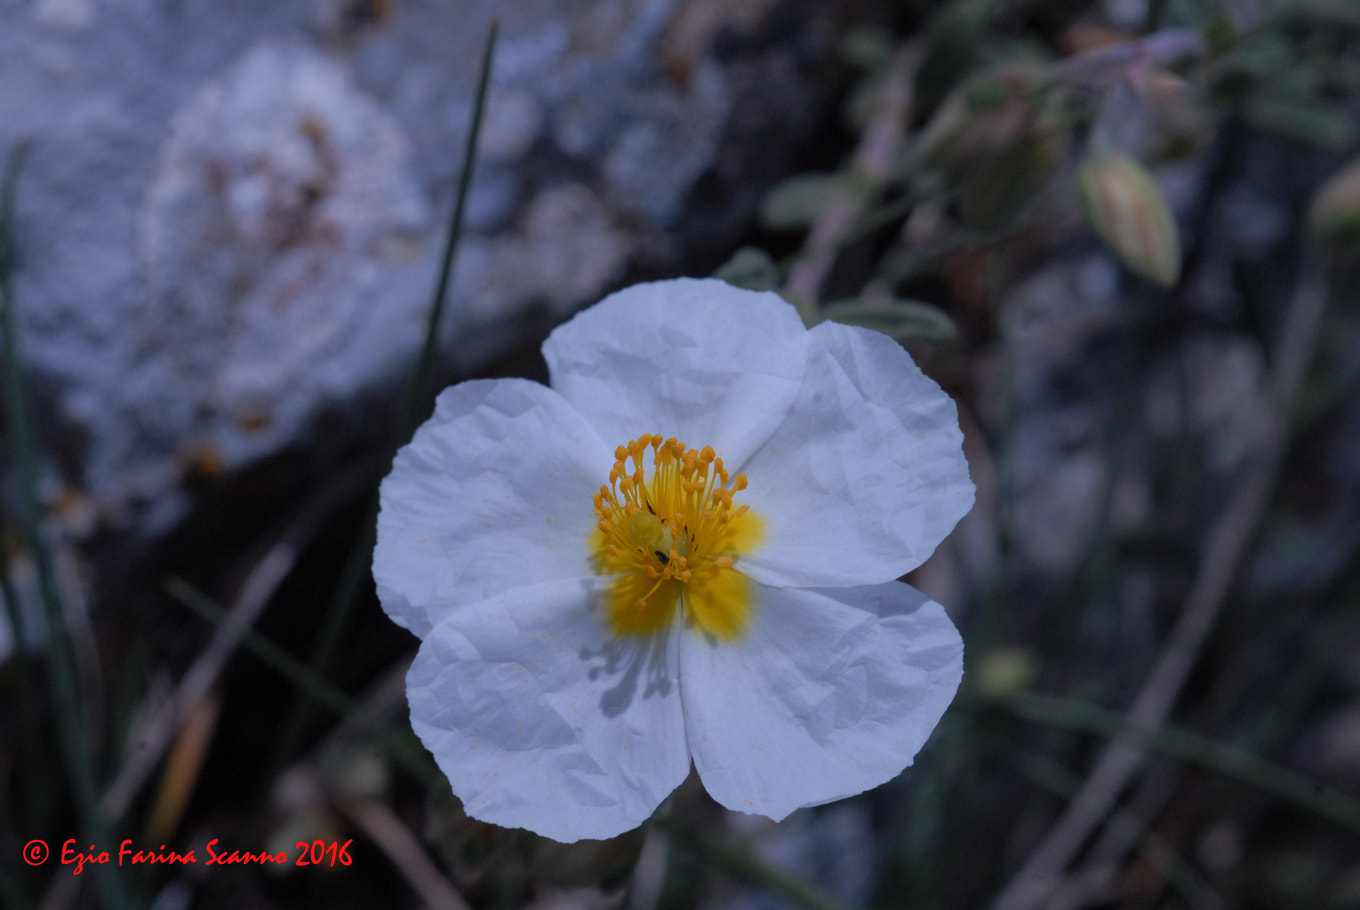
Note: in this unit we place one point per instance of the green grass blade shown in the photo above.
(1230, 762)
(302, 676)
(60, 658)
(418, 391)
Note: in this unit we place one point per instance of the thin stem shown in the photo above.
(744, 863)
(1084, 887)
(299, 674)
(1234, 763)
(870, 169)
(404, 850)
(161, 722)
(26, 685)
(417, 393)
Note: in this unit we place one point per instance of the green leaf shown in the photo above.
(1308, 118)
(869, 48)
(902, 320)
(1322, 14)
(799, 201)
(750, 268)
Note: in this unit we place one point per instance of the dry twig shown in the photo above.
(1041, 873)
(381, 825)
(159, 725)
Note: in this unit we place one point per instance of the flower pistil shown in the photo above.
(670, 538)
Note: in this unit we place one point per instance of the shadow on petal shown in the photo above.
(632, 659)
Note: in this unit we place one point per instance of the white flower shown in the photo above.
(601, 605)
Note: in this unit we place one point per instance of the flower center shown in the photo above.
(670, 536)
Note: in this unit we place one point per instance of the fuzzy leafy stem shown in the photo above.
(870, 168)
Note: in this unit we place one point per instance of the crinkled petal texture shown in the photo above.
(698, 360)
(833, 692)
(864, 476)
(541, 722)
(835, 674)
(493, 493)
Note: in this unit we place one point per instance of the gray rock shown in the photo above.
(232, 215)
(1056, 460)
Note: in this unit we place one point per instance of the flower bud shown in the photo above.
(1334, 216)
(983, 118)
(1005, 671)
(1178, 119)
(999, 138)
(991, 197)
(1126, 207)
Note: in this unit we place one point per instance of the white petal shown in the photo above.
(831, 692)
(493, 492)
(541, 722)
(698, 360)
(866, 474)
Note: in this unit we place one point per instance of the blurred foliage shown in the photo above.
(989, 149)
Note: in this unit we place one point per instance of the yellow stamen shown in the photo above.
(669, 537)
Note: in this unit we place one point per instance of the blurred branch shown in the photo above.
(382, 826)
(869, 170)
(298, 673)
(159, 725)
(1157, 49)
(1103, 862)
(1089, 886)
(1238, 764)
(1226, 548)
